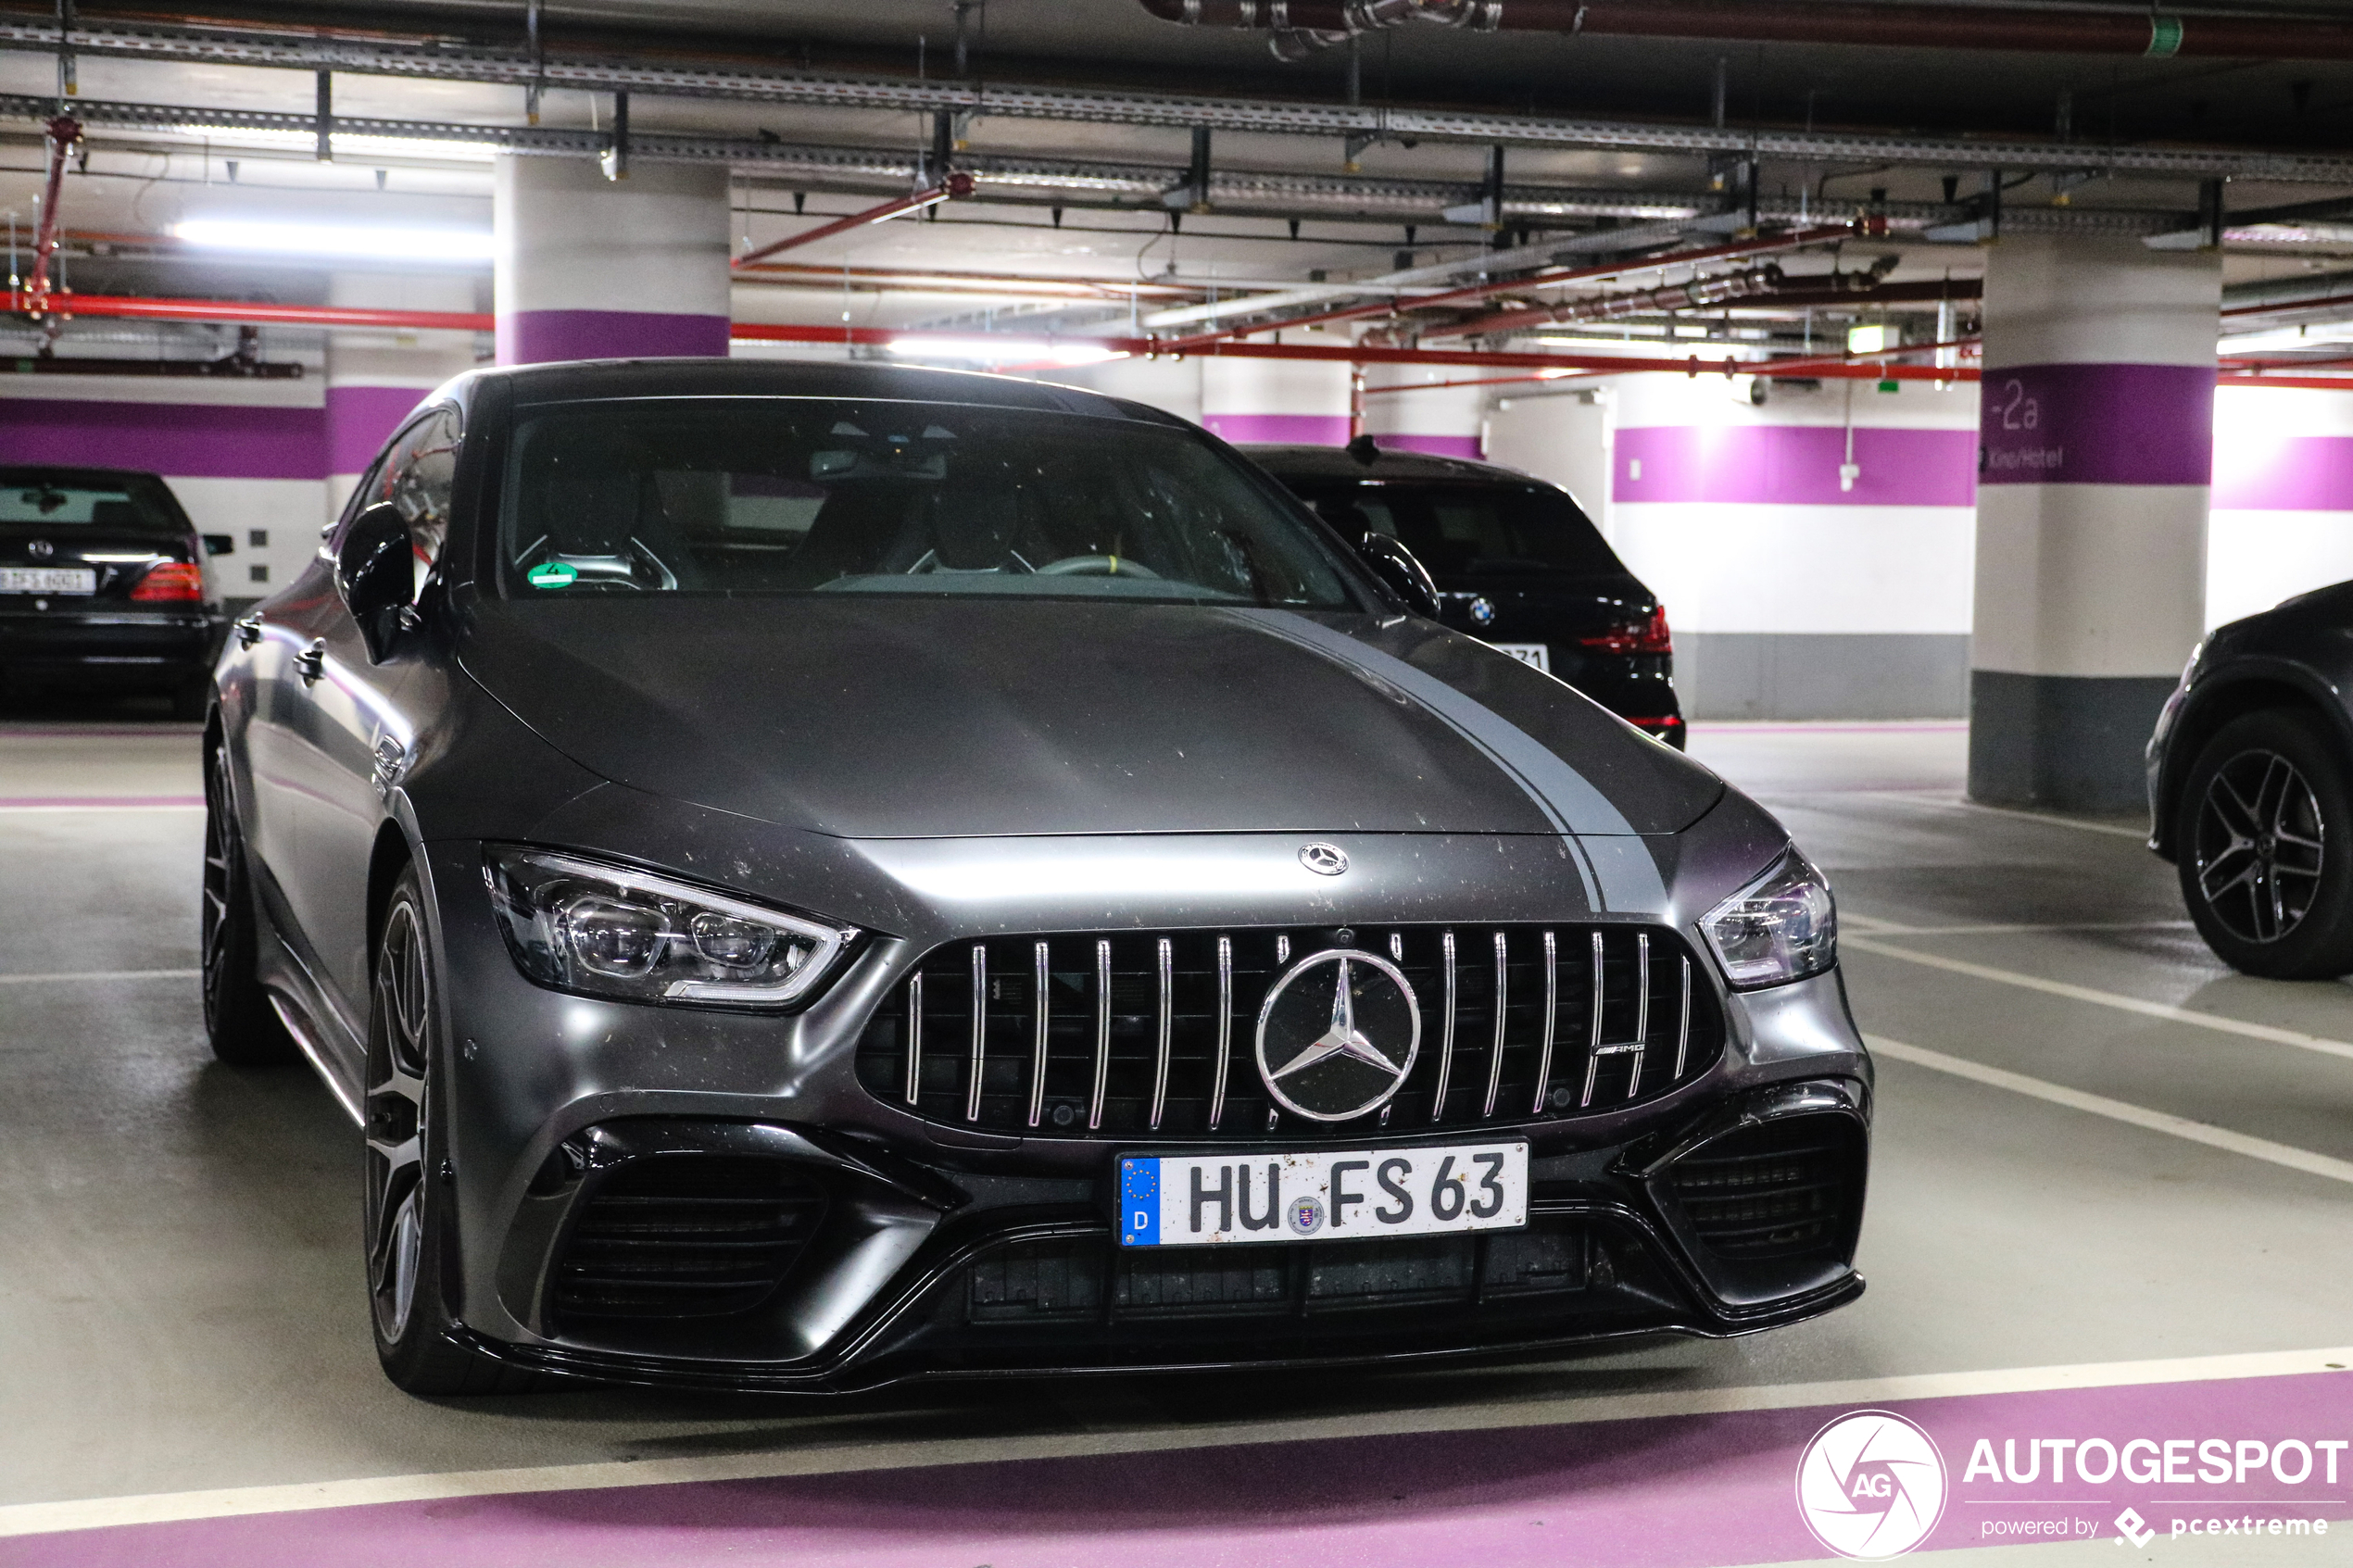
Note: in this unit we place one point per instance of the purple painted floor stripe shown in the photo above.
(1671, 1492)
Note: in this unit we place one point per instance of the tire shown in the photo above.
(410, 1232)
(238, 1020)
(2264, 832)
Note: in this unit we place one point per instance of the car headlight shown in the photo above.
(1781, 927)
(612, 931)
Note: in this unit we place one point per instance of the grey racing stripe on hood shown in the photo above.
(1618, 871)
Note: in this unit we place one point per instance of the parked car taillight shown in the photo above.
(1647, 635)
(175, 579)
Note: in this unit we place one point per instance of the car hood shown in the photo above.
(936, 718)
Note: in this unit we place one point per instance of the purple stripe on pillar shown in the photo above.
(1433, 445)
(360, 419)
(2286, 473)
(1794, 465)
(534, 337)
(1689, 1491)
(1294, 429)
(194, 441)
(2098, 424)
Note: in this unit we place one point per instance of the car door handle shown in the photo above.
(311, 662)
(249, 630)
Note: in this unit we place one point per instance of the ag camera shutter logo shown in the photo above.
(1871, 1486)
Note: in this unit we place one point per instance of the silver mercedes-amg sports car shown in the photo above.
(806, 875)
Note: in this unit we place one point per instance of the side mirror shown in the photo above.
(1405, 575)
(374, 571)
(219, 544)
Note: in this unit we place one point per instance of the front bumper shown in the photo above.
(907, 1270)
(889, 1242)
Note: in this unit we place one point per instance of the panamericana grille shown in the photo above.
(1782, 1189)
(685, 1236)
(1095, 1035)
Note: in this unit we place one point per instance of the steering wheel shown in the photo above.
(1096, 565)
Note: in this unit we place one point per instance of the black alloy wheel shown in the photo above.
(2266, 847)
(238, 1019)
(409, 1232)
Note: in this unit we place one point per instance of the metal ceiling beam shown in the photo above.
(441, 60)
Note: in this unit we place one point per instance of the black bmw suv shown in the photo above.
(1518, 563)
(101, 584)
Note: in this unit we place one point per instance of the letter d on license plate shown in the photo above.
(1220, 1201)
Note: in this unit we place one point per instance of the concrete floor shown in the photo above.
(2113, 1185)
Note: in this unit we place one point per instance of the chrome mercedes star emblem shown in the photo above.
(1352, 1064)
(41, 549)
(1324, 859)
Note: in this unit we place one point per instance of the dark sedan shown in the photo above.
(1517, 562)
(809, 875)
(2250, 776)
(102, 586)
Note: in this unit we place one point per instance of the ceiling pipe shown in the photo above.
(750, 78)
(1301, 27)
(959, 185)
(59, 136)
(1477, 292)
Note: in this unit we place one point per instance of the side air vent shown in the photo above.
(1085, 1034)
(687, 1237)
(1780, 1191)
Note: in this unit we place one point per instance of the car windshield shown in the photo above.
(1469, 530)
(824, 496)
(62, 498)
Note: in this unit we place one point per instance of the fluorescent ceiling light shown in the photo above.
(1000, 350)
(360, 241)
(1871, 338)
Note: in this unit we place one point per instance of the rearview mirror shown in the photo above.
(1405, 575)
(219, 544)
(374, 573)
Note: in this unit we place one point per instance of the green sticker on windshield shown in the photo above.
(552, 574)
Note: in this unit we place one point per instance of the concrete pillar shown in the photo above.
(1443, 421)
(2097, 446)
(593, 269)
(1302, 401)
(375, 375)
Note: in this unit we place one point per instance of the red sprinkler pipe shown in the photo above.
(957, 186)
(63, 132)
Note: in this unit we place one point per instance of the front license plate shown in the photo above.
(1536, 654)
(47, 580)
(1224, 1201)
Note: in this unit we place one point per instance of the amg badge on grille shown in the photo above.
(1338, 1034)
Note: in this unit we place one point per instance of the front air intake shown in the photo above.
(687, 1235)
(1781, 1191)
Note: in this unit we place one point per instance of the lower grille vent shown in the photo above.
(1781, 1190)
(1074, 1281)
(687, 1237)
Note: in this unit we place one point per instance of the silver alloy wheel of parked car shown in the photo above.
(399, 1053)
(2260, 846)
